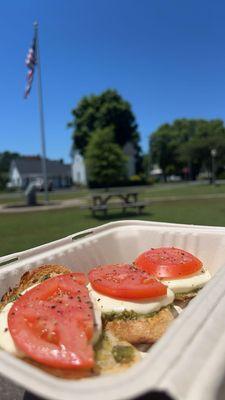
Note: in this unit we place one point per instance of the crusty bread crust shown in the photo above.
(30, 278)
(142, 330)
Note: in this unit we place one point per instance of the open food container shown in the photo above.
(187, 363)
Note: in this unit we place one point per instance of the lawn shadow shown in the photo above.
(112, 216)
(25, 205)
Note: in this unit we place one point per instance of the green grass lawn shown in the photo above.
(146, 192)
(25, 230)
(182, 190)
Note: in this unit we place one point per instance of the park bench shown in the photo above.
(101, 204)
(103, 208)
(138, 206)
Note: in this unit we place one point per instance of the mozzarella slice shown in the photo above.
(108, 304)
(6, 340)
(187, 284)
(97, 321)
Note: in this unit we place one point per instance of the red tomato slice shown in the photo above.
(168, 262)
(53, 323)
(124, 281)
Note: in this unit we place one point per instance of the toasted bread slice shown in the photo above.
(106, 360)
(33, 277)
(142, 330)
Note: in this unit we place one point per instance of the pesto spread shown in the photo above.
(126, 315)
(123, 354)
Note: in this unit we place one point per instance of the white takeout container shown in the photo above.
(188, 362)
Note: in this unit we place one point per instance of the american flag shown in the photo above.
(30, 62)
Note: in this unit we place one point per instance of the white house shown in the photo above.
(23, 170)
(79, 173)
(156, 171)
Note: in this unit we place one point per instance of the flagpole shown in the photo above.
(41, 113)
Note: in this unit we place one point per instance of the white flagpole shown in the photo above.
(41, 112)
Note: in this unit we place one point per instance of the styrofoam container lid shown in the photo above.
(187, 362)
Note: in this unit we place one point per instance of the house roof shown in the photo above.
(28, 167)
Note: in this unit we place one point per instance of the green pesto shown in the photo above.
(124, 315)
(123, 354)
(194, 292)
(47, 276)
(14, 298)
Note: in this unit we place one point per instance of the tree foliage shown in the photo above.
(188, 143)
(105, 161)
(95, 112)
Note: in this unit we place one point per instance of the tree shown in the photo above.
(163, 149)
(188, 143)
(96, 112)
(196, 151)
(105, 161)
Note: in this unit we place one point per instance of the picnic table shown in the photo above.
(100, 202)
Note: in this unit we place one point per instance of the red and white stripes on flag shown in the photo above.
(30, 62)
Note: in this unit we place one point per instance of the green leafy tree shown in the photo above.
(105, 161)
(100, 111)
(188, 143)
(163, 146)
(196, 151)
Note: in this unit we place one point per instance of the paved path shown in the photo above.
(59, 205)
(54, 205)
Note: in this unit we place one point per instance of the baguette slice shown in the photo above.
(142, 330)
(33, 277)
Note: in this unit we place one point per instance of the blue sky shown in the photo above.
(166, 57)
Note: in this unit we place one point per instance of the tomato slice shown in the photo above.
(124, 281)
(168, 262)
(53, 323)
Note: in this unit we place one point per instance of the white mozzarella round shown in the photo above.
(187, 284)
(97, 321)
(6, 340)
(108, 304)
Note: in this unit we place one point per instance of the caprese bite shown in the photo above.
(41, 320)
(130, 300)
(179, 270)
(50, 321)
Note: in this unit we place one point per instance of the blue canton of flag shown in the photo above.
(30, 63)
